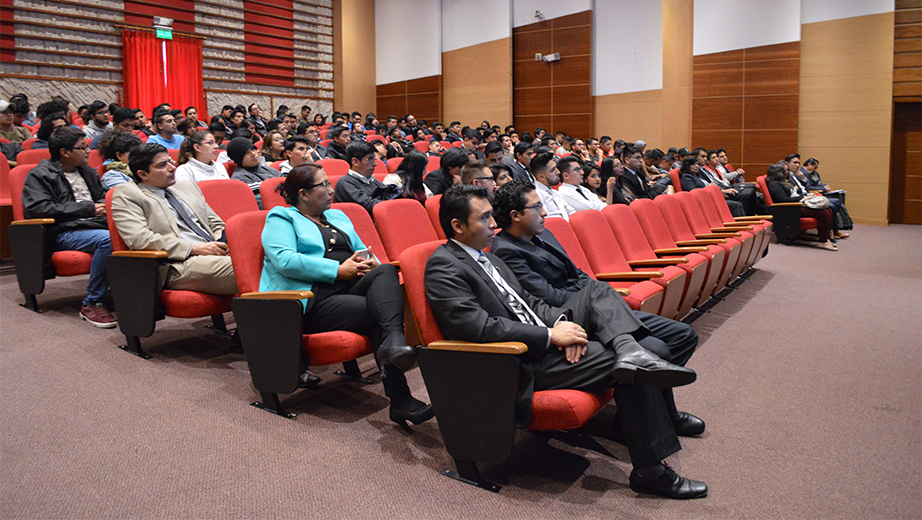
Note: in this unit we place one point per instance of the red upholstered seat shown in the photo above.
(334, 166)
(94, 160)
(711, 209)
(27, 144)
(421, 146)
(565, 409)
(32, 156)
(71, 263)
(228, 197)
(788, 221)
(365, 228)
(699, 225)
(380, 167)
(270, 197)
(5, 198)
(375, 137)
(191, 304)
(396, 218)
(432, 208)
(393, 163)
(676, 179)
(435, 163)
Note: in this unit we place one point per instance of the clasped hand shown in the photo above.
(570, 338)
(209, 249)
(355, 267)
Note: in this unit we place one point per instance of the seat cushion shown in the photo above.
(327, 348)
(565, 409)
(807, 223)
(191, 304)
(71, 263)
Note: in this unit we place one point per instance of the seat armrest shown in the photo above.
(278, 295)
(740, 225)
(623, 292)
(711, 242)
(786, 204)
(730, 229)
(501, 347)
(753, 217)
(657, 262)
(156, 255)
(33, 222)
(626, 277)
(718, 235)
(679, 250)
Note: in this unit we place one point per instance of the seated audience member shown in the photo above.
(493, 153)
(420, 135)
(605, 146)
(680, 155)
(289, 125)
(741, 193)
(198, 159)
(472, 141)
(122, 121)
(454, 132)
(539, 133)
(380, 150)
(256, 117)
(273, 146)
(192, 113)
(478, 173)
(600, 346)
(115, 149)
(66, 189)
(9, 131)
(501, 174)
(166, 136)
(341, 136)
(661, 180)
(634, 177)
(688, 174)
(810, 171)
(449, 171)
(320, 119)
(218, 130)
(438, 131)
(396, 137)
(296, 154)
(142, 123)
(592, 181)
(782, 190)
(579, 151)
(155, 212)
(797, 177)
(544, 167)
(409, 177)
(733, 176)
(508, 145)
(249, 168)
(186, 127)
(519, 163)
(611, 168)
(571, 188)
(435, 148)
(22, 110)
(593, 151)
(305, 116)
(99, 122)
(315, 150)
(50, 123)
(360, 185)
(237, 117)
(309, 246)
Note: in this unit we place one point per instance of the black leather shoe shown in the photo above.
(308, 380)
(402, 357)
(687, 425)
(669, 484)
(408, 408)
(646, 368)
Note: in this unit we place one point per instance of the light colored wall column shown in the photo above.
(678, 40)
(354, 55)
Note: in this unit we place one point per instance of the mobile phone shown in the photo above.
(364, 253)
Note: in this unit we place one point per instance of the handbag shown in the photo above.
(815, 201)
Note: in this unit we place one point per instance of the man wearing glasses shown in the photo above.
(99, 120)
(478, 173)
(66, 189)
(360, 185)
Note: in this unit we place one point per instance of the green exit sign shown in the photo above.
(166, 34)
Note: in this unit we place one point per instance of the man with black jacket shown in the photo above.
(66, 189)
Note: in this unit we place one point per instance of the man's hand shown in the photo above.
(567, 333)
(573, 352)
(729, 192)
(100, 209)
(210, 249)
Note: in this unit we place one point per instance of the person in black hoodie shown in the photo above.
(249, 168)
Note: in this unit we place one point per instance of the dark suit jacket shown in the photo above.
(438, 181)
(691, 182)
(545, 272)
(518, 171)
(640, 190)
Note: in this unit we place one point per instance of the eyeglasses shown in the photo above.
(484, 179)
(537, 206)
(325, 184)
(85, 148)
(370, 159)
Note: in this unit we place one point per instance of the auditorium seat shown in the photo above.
(787, 223)
(435, 163)
(473, 387)
(230, 166)
(393, 163)
(32, 156)
(270, 323)
(676, 179)
(699, 225)
(277, 165)
(380, 167)
(394, 218)
(747, 233)
(269, 195)
(711, 199)
(27, 144)
(432, 208)
(334, 166)
(227, 197)
(421, 146)
(94, 160)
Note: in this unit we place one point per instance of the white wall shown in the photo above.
(408, 34)
(466, 23)
(812, 11)
(726, 25)
(627, 54)
(524, 10)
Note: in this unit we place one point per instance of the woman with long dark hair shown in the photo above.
(611, 168)
(409, 177)
(197, 159)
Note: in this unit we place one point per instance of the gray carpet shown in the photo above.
(809, 380)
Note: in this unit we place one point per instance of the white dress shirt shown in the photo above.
(553, 202)
(579, 197)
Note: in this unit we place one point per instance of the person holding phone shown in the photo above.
(309, 246)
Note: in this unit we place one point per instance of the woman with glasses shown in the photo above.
(197, 156)
(309, 246)
(273, 148)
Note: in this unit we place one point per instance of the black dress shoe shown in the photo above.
(669, 484)
(400, 356)
(687, 425)
(308, 380)
(644, 367)
(408, 408)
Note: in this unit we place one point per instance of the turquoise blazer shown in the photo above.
(294, 250)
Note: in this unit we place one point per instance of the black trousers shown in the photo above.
(646, 413)
(372, 306)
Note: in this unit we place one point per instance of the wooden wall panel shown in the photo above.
(631, 116)
(678, 42)
(753, 93)
(421, 97)
(557, 95)
(477, 83)
(907, 60)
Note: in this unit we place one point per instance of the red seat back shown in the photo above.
(375, 137)
(708, 209)
(421, 146)
(32, 156)
(564, 234)
(598, 242)
(435, 163)
(230, 166)
(627, 231)
(365, 228)
(334, 166)
(228, 197)
(117, 243)
(433, 204)
(393, 163)
(17, 178)
(5, 196)
(652, 223)
(402, 223)
(380, 167)
(244, 238)
(719, 203)
(270, 197)
(763, 187)
(277, 165)
(672, 213)
(676, 179)
(27, 144)
(94, 160)
(413, 266)
(693, 214)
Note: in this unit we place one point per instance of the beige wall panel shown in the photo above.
(837, 164)
(830, 129)
(871, 26)
(870, 204)
(678, 44)
(630, 116)
(677, 119)
(859, 56)
(353, 55)
(844, 95)
(477, 83)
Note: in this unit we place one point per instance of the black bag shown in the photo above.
(843, 220)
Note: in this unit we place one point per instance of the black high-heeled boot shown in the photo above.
(395, 351)
(408, 408)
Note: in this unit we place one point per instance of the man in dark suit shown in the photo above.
(449, 169)
(315, 150)
(520, 161)
(633, 176)
(545, 271)
(475, 297)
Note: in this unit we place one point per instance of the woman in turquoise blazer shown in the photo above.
(309, 246)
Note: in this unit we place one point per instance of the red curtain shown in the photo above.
(142, 70)
(184, 74)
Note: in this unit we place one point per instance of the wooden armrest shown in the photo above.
(735, 224)
(679, 250)
(657, 262)
(278, 295)
(786, 204)
(395, 263)
(32, 222)
(730, 229)
(140, 254)
(711, 242)
(624, 277)
(501, 347)
(718, 235)
(623, 292)
(753, 217)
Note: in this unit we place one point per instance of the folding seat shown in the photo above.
(5, 197)
(762, 223)
(640, 255)
(227, 197)
(421, 146)
(371, 132)
(326, 142)
(435, 163)
(457, 144)
(380, 167)
(94, 160)
(787, 223)
(605, 256)
(393, 163)
(32, 156)
(31, 248)
(642, 295)
(657, 232)
(445, 144)
(174, 153)
(712, 217)
(334, 166)
(700, 227)
(270, 323)
(402, 223)
(268, 194)
(473, 387)
(27, 144)
(683, 235)
(277, 165)
(230, 166)
(375, 137)
(676, 179)
(432, 208)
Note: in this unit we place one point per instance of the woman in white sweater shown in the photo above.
(197, 159)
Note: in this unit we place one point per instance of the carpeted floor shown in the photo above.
(810, 380)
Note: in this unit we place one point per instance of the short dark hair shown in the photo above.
(471, 170)
(358, 150)
(299, 178)
(508, 198)
(453, 158)
(521, 148)
(142, 157)
(293, 140)
(217, 127)
(472, 133)
(44, 131)
(540, 161)
(336, 131)
(493, 147)
(96, 106)
(158, 117)
(121, 114)
(112, 143)
(64, 139)
(564, 164)
(792, 157)
(810, 162)
(456, 204)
